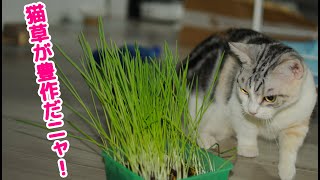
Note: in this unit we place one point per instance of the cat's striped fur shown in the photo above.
(204, 58)
(263, 89)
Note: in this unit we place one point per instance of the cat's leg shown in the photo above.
(214, 131)
(206, 139)
(212, 127)
(207, 130)
(247, 134)
(210, 136)
(290, 141)
(205, 135)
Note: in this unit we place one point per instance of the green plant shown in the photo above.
(142, 104)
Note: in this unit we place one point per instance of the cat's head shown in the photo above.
(270, 78)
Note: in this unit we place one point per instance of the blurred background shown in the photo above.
(149, 23)
(289, 19)
(185, 22)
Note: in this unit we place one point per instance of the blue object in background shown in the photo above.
(309, 51)
(146, 53)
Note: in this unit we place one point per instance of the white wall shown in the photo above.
(12, 10)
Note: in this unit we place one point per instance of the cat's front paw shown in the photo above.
(206, 141)
(286, 171)
(248, 151)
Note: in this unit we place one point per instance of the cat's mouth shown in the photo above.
(254, 117)
(255, 120)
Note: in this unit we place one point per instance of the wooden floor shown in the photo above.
(25, 151)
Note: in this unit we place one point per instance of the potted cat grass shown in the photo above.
(146, 131)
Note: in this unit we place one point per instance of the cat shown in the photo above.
(263, 89)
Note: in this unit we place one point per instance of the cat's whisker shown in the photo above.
(273, 132)
(243, 112)
(269, 132)
(275, 129)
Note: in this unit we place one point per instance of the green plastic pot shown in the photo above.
(114, 170)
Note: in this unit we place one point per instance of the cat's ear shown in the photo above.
(242, 51)
(291, 68)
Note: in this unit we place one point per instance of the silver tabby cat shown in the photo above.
(264, 89)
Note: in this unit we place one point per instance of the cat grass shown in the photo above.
(143, 105)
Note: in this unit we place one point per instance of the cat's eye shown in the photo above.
(270, 99)
(244, 91)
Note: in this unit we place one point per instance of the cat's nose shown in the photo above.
(252, 113)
